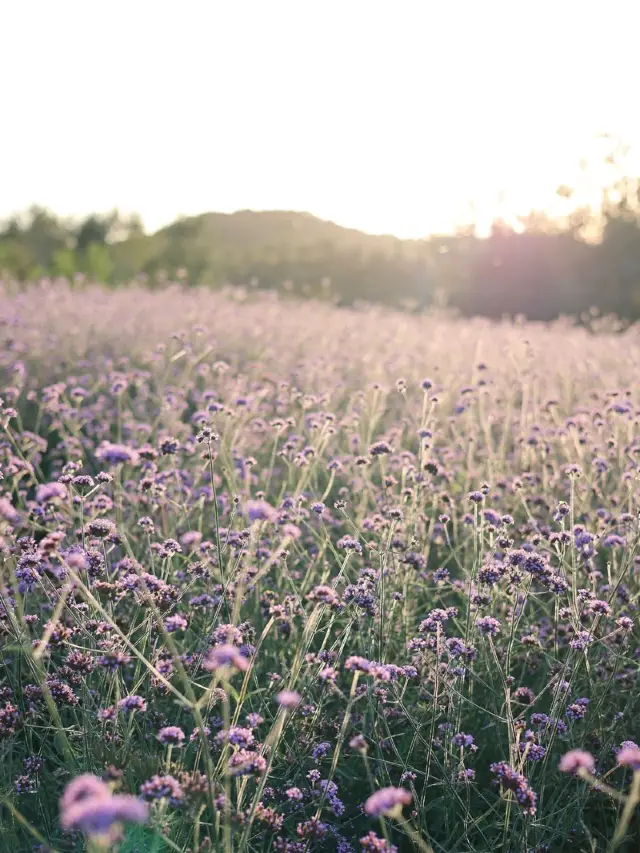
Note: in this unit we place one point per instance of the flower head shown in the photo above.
(629, 756)
(575, 760)
(132, 703)
(116, 454)
(161, 788)
(387, 801)
(288, 699)
(171, 736)
(225, 656)
(50, 492)
(88, 806)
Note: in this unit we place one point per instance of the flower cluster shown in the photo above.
(258, 569)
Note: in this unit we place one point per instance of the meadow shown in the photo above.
(279, 576)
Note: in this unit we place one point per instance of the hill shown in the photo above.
(542, 268)
(277, 249)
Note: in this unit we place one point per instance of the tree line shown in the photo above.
(537, 266)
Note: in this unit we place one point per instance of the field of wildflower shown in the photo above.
(278, 576)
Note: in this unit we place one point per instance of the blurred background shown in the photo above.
(484, 157)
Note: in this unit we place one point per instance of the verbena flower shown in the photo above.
(132, 703)
(225, 657)
(88, 806)
(288, 699)
(162, 788)
(629, 756)
(171, 736)
(387, 801)
(577, 759)
(511, 780)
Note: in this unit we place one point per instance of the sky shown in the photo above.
(392, 116)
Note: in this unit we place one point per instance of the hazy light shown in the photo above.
(386, 116)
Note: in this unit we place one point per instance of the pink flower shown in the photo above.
(387, 801)
(629, 756)
(288, 699)
(225, 656)
(191, 538)
(8, 512)
(88, 806)
(82, 788)
(575, 760)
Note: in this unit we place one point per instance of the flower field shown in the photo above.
(278, 576)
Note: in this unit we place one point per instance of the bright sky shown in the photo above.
(385, 115)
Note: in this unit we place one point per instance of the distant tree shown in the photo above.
(96, 262)
(64, 263)
(15, 259)
(96, 228)
(43, 234)
(542, 266)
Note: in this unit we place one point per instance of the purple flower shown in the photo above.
(372, 843)
(613, 540)
(83, 787)
(177, 622)
(49, 492)
(169, 446)
(190, 538)
(348, 543)
(33, 763)
(324, 594)
(116, 454)
(7, 511)
(458, 648)
(101, 528)
(88, 806)
(132, 703)
(582, 640)
(511, 780)
(245, 763)
(238, 736)
(357, 663)
(320, 750)
(225, 656)
(293, 794)
(462, 739)
(435, 619)
(629, 756)
(260, 510)
(82, 481)
(292, 531)
(107, 715)
(577, 710)
(26, 785)
(171, 736)
(162, 788)
(600, 607)
(113, 660)
(387, 801)
(488, 625)
(380, 448)
(491, 572)
(532, 751)
(466, 775)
